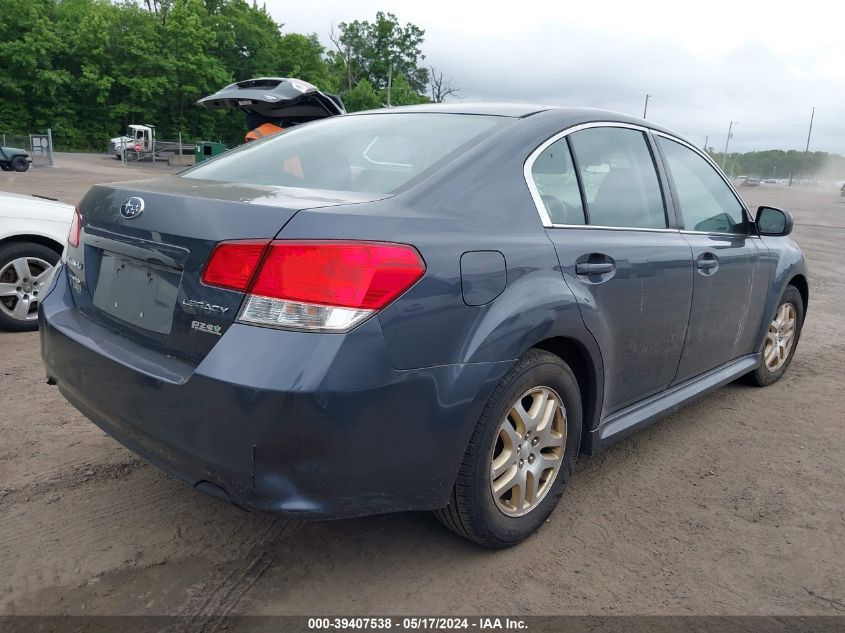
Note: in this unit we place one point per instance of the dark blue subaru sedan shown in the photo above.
(429, 308)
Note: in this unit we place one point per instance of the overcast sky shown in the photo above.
(763, 64)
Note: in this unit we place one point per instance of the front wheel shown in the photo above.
(781, 339)
(19, 163)
(520, 456)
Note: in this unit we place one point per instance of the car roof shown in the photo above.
(515, 110)
(562, 115)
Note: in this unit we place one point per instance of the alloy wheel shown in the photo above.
(780, 337)
(22, 280)
(528, 451)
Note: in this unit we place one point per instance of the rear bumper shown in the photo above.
(311, 425)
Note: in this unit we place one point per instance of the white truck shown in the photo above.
(139, 139)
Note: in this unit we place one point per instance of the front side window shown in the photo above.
(619, 178)
(372, 153)
(554, 176)
(707, 203)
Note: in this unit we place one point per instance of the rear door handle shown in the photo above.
(587, 268)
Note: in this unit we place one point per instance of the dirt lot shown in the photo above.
(732, 506)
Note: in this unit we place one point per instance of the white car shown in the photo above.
(33, 233)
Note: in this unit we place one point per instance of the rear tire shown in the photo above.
(768, 373)
(5, 166)
(19, 163)
(497, 520)
(33, 283)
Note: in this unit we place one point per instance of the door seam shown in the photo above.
(689, 312)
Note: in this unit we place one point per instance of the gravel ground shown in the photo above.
(732, 506)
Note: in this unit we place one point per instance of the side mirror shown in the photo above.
(773, 221)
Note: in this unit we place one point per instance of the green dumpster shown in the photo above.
(208, 149)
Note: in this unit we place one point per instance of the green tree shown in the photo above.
(247, 38)
(301, 56)
(89, 62)
(362, 97)
(30, 81)
(376, 50)
(140, 71)
(187, 36)
(401, 93)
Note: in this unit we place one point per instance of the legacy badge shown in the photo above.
(204, 306)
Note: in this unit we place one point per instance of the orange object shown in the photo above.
(291, 165)
(262, 131)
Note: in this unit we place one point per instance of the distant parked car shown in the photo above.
(842, 190)
(430, 308)
(751, 182)
(33, 232)
(14, 159)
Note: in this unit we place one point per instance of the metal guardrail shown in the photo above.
(174, 147)
(162, 151)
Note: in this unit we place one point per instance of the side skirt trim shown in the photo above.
(641, 414)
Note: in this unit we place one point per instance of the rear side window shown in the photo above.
(554, 176)
(619, 178)
(707, 203)
(373, 153)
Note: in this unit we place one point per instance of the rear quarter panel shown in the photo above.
(431, 324)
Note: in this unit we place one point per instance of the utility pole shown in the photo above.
(728, 140)
(389, 83)
(812, 116)
(645, 108)
(706, 138)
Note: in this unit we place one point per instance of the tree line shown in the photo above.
(88, 68)
(778, 164)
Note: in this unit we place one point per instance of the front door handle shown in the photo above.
(707, 264)
(587, 268)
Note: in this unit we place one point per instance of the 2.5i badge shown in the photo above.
(208, 328)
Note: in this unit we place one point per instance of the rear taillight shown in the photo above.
(233, 264)
(75, 229)
(314, 285)
(366, 275)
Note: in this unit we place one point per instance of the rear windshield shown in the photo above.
(372, 153)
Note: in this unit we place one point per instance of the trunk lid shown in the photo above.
(276, 98)
(144, 246)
